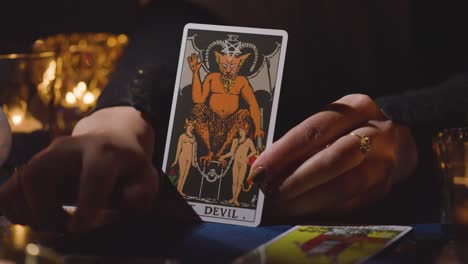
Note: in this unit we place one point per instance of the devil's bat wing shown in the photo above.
(265, 78)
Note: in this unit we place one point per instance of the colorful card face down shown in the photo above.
(223, 116)
(325, 244)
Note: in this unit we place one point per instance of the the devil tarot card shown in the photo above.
(223, 116)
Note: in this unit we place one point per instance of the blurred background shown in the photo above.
(23, 21)
(55, 59)
(438, 27)
(435, 31)
(89, 37)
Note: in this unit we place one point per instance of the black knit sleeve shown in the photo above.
(145, 75)
(433, 108)
(147, 69)
(425, 111)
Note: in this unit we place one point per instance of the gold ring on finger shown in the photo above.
(365, 143)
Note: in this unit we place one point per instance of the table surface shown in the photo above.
(423, 244)
(217, 243)
(220, 243)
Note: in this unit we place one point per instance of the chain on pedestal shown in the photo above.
(211, 176)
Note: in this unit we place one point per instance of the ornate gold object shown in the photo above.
(365, 143)
(450, 148)
(84, 64)
(20, 245)
(26, 89)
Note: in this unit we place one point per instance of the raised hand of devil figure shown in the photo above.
(193, 62)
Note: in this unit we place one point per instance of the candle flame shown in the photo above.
(70, 98)
(16, 119)
(122, 38)
(111, 42)
(88, 98)
(16, 113)
(80, 89)
(33, 250)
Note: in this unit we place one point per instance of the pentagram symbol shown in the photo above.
(232, 46)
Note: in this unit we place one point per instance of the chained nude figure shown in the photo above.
(185, 155)
(242, 149)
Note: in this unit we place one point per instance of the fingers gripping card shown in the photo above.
(223, 116)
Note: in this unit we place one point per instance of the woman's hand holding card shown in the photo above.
(342, 158)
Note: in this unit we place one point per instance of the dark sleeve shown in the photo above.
(430, 109)
(425, 111)
(145, 75)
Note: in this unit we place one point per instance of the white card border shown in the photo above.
(404, 230)
(274, 108)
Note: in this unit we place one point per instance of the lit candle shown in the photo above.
(80, 97)
(25, 124)
(88, 98)
(21, 122)
(80, 89)
(16, 119)
(70, 98)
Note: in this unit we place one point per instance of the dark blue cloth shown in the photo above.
(212, 241)
(223, 243)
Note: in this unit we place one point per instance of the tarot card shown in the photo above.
(326, 244)
(223, 116)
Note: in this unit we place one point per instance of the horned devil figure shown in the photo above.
(218, 122)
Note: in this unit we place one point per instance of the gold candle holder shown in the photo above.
(84, 64)
(26, 90)
(451, 152)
